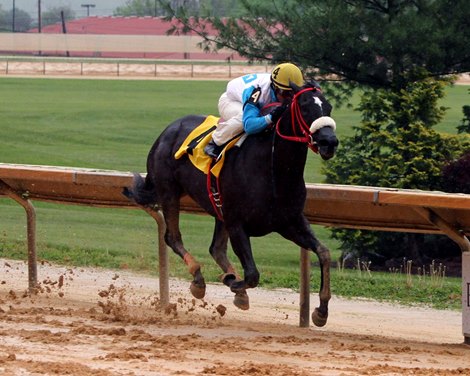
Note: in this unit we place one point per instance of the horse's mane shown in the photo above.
(311, 84)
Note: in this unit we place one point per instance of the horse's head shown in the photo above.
(310, 121)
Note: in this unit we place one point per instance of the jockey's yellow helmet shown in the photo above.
(285, 73)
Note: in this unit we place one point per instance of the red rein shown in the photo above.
(298, 123)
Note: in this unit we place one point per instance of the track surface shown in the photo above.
(97, 322)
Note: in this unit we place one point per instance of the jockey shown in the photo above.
(240, 105)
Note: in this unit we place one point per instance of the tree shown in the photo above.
(456, 175)
(398, 52)
(192, 7)
(464, 127)
(3, 20)
(370, 43)
(383, 153)
(53, 15)
(221, 8)
(153, 8)
(139, 8)
(22, 20)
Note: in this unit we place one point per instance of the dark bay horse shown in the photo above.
(262, 188)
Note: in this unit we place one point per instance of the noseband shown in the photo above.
(299, 124)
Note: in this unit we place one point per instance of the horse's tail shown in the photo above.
(142, 192)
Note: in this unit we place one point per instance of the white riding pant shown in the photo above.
(231, 113)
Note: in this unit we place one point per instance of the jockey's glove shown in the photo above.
(277, 113)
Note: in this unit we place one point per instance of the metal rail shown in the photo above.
(374, 208)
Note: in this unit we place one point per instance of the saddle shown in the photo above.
(194, 145)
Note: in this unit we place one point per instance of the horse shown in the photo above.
(262, 187)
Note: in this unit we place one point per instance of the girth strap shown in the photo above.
(213, 191)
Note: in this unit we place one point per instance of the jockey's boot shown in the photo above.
(213, 150)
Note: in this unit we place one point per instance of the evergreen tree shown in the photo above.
(374, 43)
(397, 149)
(400, 53)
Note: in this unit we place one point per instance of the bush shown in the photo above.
(456, 175)
(395, 146)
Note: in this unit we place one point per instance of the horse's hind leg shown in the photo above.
(174, 240)
(218, 251)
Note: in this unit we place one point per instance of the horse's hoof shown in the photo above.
(198, 291)
(319, 319)
(238, 286)
(242, 300)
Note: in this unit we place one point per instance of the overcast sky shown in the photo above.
(102, 7)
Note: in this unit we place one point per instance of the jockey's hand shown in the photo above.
(254, 97)
(277, 113)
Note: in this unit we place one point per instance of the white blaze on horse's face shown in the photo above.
(318, 101)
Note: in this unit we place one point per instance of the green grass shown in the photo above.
(111, 124)
(93, 123)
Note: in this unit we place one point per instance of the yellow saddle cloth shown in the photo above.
(194, 145)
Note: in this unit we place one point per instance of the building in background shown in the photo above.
(146, 27)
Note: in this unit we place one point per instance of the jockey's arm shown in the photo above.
(253, 121)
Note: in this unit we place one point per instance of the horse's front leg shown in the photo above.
(174, 240)
(242, 247)
(320, 314)
(300, 233)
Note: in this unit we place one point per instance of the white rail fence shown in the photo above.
(132, 69)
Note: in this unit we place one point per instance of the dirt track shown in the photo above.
(95, 322)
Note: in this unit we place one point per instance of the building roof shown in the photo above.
(115, 25)
(133, 25)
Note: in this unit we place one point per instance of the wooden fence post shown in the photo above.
(466, 296)
(304, 317)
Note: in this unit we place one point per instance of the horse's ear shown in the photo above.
(294, 87)
(314, 84)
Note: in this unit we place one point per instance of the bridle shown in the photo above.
(298, 123)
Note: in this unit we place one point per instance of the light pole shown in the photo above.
(88, 6)
(13, 18)
(39, 16)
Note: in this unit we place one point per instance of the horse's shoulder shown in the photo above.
(255, 153)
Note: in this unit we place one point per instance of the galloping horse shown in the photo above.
(262, 187)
